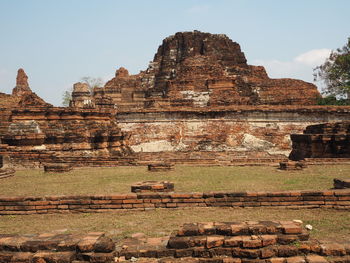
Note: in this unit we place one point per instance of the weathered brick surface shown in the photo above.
(57, 248)
(198, 100)
(188, 244)
(338, 199)
(33, 132)
(327, 140)
(196, 69)
(152, 186)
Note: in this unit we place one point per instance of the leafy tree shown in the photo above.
(66, 97)
(92, 83)
(332, 100)
(335, 73)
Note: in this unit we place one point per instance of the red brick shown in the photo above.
(234, 241)
(276, 260)
(214, 241)
(295, 260)
(171, 205)
(315, 259)
(180, 195)
(268, 240)
(344, 198)
(251, 243)
(268, 252)
(333, 249)
(132, 201)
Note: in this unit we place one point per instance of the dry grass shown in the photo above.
(330, 225)
(186, 179)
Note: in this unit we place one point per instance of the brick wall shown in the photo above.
(339, 199)
(227, 136)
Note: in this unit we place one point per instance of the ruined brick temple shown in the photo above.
(197, 102)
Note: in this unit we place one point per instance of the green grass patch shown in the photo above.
(186, 179)
(328, 224)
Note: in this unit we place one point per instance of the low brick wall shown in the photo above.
(209, 242)
(339, 199)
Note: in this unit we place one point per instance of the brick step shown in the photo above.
(285, 252)
(312, 258)
(242, 241)
(241, 228)
(318, 161)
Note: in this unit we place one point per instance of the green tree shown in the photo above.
(92, 83)
(66, 97)
(335, 73)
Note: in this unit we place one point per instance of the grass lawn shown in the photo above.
(332, 225)
(186, 179)
(328, 224)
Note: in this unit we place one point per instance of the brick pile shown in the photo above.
(57, 167)
(152, 186)
(158, 167)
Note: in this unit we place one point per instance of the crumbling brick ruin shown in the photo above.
(195, 69)
(327, 140)
(34, 132)
(198, 102)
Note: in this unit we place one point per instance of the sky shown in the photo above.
(58, 42)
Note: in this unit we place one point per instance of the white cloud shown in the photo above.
(300, 67)
(198, 9)
(313, 57)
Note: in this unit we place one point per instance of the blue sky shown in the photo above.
(59, 42)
